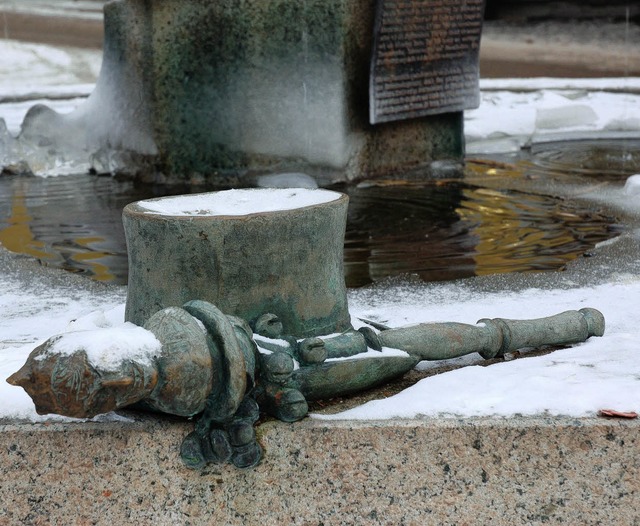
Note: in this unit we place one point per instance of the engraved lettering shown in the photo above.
(425, 58)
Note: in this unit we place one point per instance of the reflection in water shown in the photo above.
(26, 233)
(453, 230)
(17, 235)
(522, 232)
(402, 228)
(611, 159)
(437, 230)
(71, 222)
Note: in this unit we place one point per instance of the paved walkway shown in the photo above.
(560, 49)
(63, 22)
(509, 49)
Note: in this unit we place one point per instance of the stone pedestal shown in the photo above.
(225, 89)
(286, 261)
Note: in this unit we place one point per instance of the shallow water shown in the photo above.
(436, 230)
(454, 230)
(71, 222)
(609, 160)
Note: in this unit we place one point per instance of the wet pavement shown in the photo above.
(63, 22)
(548, 48)
(554, 48)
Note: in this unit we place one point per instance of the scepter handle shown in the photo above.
(562, 329)
(490, 337)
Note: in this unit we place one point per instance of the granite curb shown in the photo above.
(523, 470)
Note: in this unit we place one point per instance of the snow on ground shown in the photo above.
(27, 66)
(85, 9)
(30, 315)
(33, 74)
(578, 381)
(514, 112)
(601, 373)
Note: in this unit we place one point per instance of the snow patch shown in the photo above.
(238, 202)
(632, 185)
(384, 353)
(108, 348)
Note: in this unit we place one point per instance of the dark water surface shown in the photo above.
(601, 159)
(437, 230)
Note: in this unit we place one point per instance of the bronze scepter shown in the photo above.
(220, 374)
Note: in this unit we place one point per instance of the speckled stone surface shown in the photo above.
(228, 89)
(445, 472)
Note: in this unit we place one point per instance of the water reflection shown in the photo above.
(17, 235)
(71, 222)
(591, 158)
(453, 230)
(437, 230)
(524, 232)
(397, 228)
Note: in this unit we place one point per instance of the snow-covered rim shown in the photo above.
(238, 202)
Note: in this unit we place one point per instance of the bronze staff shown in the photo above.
(220, 373)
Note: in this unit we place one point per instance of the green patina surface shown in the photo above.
(289, 263)
(263, 85)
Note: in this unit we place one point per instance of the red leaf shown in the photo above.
(612, 413)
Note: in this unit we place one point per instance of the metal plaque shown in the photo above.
(425, 58)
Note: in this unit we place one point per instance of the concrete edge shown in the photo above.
(524, 470)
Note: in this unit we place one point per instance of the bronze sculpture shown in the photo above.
(226, 371)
